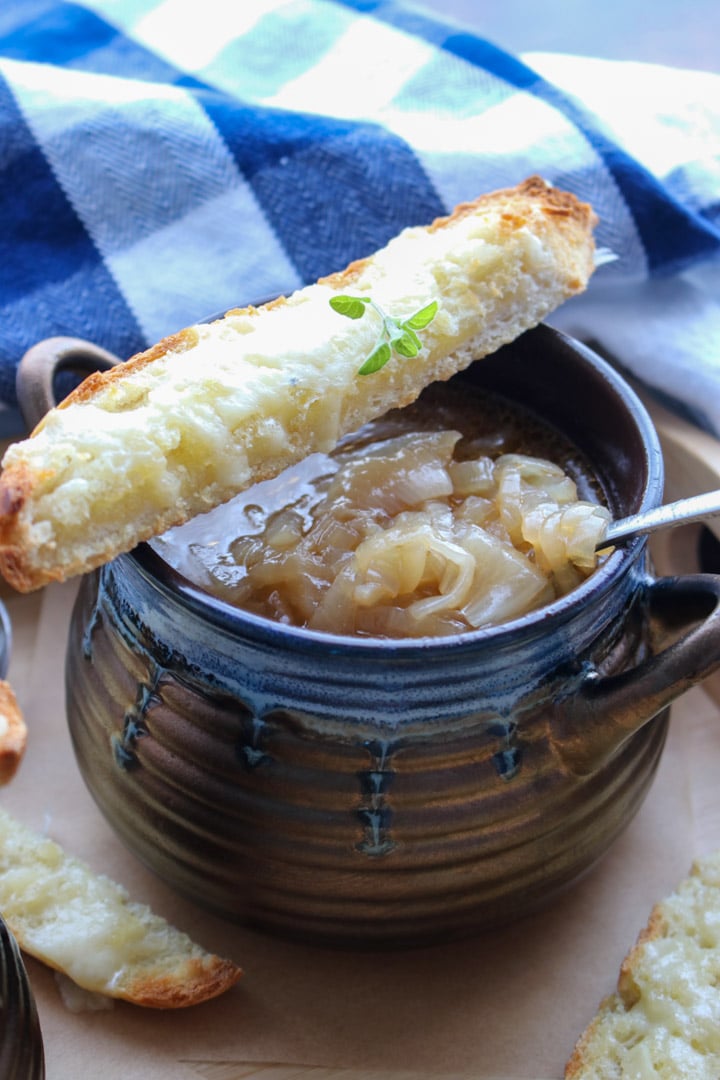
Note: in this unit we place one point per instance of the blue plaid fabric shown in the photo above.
(162, 160)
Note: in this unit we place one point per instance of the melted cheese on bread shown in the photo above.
(86, 926)
(217, 407)
(663, 1022)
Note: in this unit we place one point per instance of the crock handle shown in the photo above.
(593, 723)
(35, 378)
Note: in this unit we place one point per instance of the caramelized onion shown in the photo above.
(410, 531)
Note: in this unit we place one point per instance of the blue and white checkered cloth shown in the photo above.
(162, 160)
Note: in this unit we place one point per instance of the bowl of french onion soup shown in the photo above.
(401, 692)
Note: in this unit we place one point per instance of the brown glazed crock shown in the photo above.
(376, 792)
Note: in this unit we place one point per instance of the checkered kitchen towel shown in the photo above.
(162, 160)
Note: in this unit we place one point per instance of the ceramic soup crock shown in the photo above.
(378, 792)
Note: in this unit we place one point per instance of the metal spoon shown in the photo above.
(694, 508)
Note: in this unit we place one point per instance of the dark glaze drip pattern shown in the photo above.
(250, 751)
(508, 759)
(134, 726)
(375, 812)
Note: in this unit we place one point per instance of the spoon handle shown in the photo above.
(681, 512)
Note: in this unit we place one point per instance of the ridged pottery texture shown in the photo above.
(386, 792)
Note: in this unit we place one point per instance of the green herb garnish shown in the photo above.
(396, 335)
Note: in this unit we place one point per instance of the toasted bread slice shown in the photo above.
(85, 925)
(13, 733)
(664, 1019)
(217, 407)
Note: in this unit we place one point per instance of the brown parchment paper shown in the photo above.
(503, 1006)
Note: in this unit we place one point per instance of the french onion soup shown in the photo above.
(458, 512)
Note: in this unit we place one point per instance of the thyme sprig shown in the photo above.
(396, 335)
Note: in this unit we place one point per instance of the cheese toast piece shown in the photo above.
(217, 407)
(663, 1022)
(86, 926)
(13, 733)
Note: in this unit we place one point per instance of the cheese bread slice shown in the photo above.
(663, 1022)
(86, 926)
(217, 407)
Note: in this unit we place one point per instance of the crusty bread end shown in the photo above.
(86, 926)
(13, 733)
(217, 407)
(663, 1021)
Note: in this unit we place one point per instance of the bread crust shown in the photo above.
(13, 733)
(193, 983)
(564, 227)
(201, 981)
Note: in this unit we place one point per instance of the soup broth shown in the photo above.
(455, 513)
